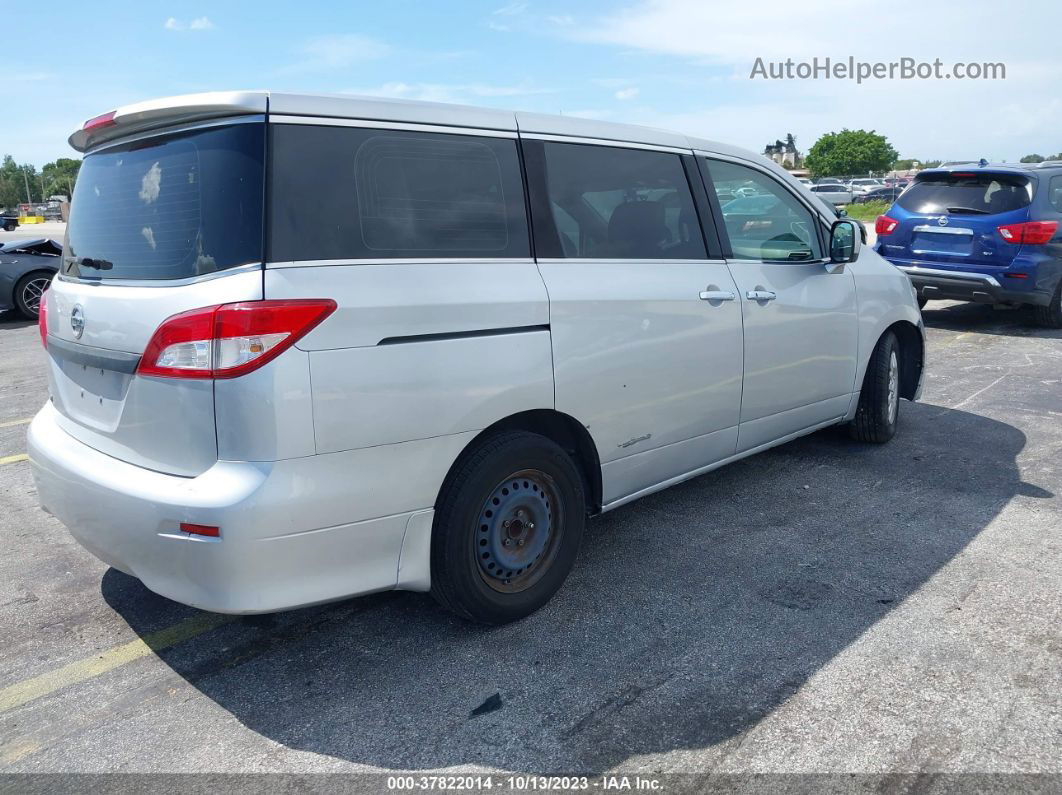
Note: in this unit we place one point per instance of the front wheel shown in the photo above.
(507, 528)
(10, 226)
(879, 400)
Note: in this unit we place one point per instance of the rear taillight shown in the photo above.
(42, 318)
(885, 225)
(230, 340)
(1032, 232)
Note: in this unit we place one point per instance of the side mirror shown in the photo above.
(845, 239)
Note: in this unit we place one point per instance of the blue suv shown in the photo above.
(984, 233)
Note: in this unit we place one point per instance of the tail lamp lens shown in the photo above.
(230, 340)
(42, 318)
(885, 226)
(1031, 232)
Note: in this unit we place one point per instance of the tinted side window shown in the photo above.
(351, 193)
(763, 220)
(1054, 193)
(619, 203)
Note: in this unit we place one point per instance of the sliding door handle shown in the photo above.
(761, 295)
(717, 295)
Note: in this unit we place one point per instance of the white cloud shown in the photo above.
(449, 92)
(336, 52)
(627, 93)
(717, 44)
(510, 10)
(199, 23)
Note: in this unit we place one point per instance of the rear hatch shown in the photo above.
(952, 219)
(158, 226)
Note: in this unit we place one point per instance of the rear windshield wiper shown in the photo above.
(967, 210)
(89, 262)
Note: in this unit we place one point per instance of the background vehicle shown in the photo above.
(878, 194)
(259, 401)
(9, 221)
(26, 268)
(988, 234)
(863, 185)
(835, 193)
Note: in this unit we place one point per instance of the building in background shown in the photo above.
(785, 153)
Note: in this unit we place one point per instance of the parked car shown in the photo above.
(864, 185)
(835, 193)
(878, 195)
(9, 221)
(361, 378)
(26, 268)
(988, 234)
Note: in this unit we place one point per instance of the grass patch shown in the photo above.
(867, 212)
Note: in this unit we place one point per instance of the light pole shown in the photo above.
(25, 178)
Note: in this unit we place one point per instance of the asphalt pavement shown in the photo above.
(823, 607)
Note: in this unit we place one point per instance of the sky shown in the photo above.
(678, 64)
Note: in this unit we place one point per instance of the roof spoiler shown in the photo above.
(130, 119)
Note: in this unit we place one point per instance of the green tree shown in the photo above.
(13, 180)
(60, 176)
(850, 152)
(1032, 159)
(931, 163)
(905, 164)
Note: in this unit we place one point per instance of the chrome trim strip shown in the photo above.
(172, 129)
(204, 277)
(944, 230)
(326, 263)
(372, 124)
(571, 139)
(614, 261)
(914, 270)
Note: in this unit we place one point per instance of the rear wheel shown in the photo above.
(1050, 315)
(507, 528)
(10, 226)
(28, 293)
(879, 400)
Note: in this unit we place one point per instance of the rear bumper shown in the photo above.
(933, 283)
(278, 547)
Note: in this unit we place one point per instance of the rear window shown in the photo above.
(967, 194)
(352, 193)
(173, 207)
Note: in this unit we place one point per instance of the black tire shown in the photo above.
(922, 302)
(27, 297)
(879, 399)
(10, 227)
(1050, 315)
(542, 509)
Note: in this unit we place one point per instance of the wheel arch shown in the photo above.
(564, 430)
(912, 356)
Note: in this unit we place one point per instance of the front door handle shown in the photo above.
(717, 295)
(761, 295)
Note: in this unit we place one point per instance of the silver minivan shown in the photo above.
(307, 347)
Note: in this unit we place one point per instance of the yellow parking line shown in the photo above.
(23, 692)
(13, 423)
(13, 459)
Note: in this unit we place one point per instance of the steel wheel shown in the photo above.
(894, 387)
(516, 540)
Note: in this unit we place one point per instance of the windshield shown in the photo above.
(171, 207)
(967, 194)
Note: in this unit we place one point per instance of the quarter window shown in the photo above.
(621, 203)
(763, 220)
(351, 193)
(1055, 193)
